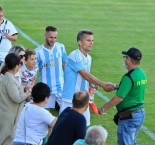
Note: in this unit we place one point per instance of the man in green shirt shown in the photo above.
(129, 99)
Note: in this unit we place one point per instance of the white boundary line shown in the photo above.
(27, 37)
(148, 132)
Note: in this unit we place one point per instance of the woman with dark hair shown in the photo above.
(11, 97)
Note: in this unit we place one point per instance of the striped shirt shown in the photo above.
(50, 66)
(73, 80)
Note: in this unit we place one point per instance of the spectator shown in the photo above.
(51, 57)
(19, 50)
(29, 70)
(34, 120)
(11, 95)
(71, 124)
(8, 33)
(96, 135)
(129, 99)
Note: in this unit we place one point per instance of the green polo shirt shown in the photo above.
(132, 89)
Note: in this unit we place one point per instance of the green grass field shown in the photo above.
(117, 26)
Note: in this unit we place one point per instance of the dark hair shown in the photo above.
(39, 92)
(11, 61)
(1, 9)
(80, 99)
(50, 28)
(28, 53)
(82, 32)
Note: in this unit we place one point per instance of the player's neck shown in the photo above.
(48, 46)
(83, 52)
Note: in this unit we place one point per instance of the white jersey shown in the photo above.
(5, 44)
(33, 121)
(50, 66)
(27, 75)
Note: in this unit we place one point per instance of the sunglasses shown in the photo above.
(21, 63)
(21, 56)
(125, 56)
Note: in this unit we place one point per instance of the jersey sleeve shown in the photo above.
(38, 58)
(75, 61)
(64, 54)
(12, 29)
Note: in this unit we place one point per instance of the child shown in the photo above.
(34, 120)
(29, 70)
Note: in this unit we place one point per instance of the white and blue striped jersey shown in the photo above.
(74, 82)
(50, 66)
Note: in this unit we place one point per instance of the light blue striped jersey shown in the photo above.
(76, 61)
(50, 66)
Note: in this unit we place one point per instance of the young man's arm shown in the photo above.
(93, 80)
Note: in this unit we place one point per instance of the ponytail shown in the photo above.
(4, 69)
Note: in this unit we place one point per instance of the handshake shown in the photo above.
(108, 87)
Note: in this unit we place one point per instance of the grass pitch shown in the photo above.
(117, 25)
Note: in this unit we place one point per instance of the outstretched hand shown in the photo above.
(101, 111)
(108, 87)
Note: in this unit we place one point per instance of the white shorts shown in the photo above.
(52, 99)
(86, 114)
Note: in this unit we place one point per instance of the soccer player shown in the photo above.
(51, 57)
(77, 72)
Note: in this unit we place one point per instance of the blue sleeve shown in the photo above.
(64, 54)
(38, 60)
(76, 66)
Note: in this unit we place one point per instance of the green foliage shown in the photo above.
(117, 25)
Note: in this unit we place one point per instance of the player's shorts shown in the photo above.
(52, 99)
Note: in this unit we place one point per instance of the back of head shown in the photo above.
(11, 61)
(16, 49)
(50, 28)
(80, 99)
(39, 92)
(28, 53)
(96, 135)
(82, 32)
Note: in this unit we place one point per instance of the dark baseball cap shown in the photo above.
(134, 53)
